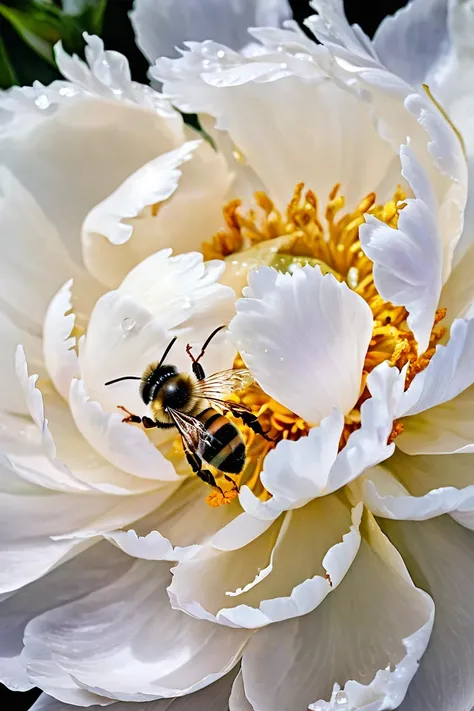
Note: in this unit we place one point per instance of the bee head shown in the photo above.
(153, 379)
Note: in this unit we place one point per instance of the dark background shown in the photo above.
(117, 34)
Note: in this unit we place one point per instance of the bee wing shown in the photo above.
(234, 407)
(193, 432)
(218, 385)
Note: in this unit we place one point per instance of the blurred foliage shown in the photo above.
(32, 27)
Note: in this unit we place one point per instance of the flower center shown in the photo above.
(287, 241)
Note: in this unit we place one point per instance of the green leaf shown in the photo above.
(8, 75)
(39, 26)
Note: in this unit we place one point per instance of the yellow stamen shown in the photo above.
(217, 498)
(290, 240)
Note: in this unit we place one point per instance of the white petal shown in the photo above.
(163, 296)
(439, 557)
(368, 445)
(305, 337)
(448, 373)
(238, 701)
(296, 472)
(30, 246)
(160, 29)
(444, 429)
(59, 354)
(12, 336)
(413, 41)
(153, 546)
(129, 624)
(375, 618)
(274, 577)
(258, 100)
(72, 159)
(93, 569)
(154, 182)
(125, 228)
(408, 260)
(123, 445)
(215, 697)
(400, 114)
(418, 488)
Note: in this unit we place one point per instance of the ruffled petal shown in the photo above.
(408, 260)
(414, 41)
(259, 99)
(448, 373)
(126, 447)
(162, 297)
(274, 577)
(94, 568)
(438, 554)
(148, 211)
(371, 634)
(305, 337)
(128, 625)
(418, 488)
(161, 29)
(400, 113)
(82, 145)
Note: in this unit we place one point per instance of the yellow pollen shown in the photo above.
(301, 236)
(216, 498)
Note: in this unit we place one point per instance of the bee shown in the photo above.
(186, 402)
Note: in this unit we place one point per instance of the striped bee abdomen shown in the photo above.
(224, 447)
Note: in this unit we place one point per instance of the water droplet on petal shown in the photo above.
(282, 359)
(67, 91)
(220, 54)
(187, 303)
(266, 350)
(127, 325)
(283, 65)
(341, 699)
(42, 102)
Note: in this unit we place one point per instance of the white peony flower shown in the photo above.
(319, 577)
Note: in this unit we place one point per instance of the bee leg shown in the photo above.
(228, 478)
(147, 422)
(204, 474)
(208, 477)
(252, 421)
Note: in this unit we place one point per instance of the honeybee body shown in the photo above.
(224, 448)
(185, 402)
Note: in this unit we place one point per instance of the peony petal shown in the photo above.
(72, 158)
(400, 114)
(448, 373)
(439, 557)
(149, 211)
(124, 446)
(58, 342)
(215, 697)
(12, 336)
(160, 29)
(371, 631)
(128, 624)
(305, 337)
(408, 260)
(414, 41)
(238, 701)
(162, 297)
(258, 100)
(29, 247)
(272, 578)
(417, 488)
(94, 568)
(444, 429)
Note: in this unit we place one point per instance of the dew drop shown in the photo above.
(282, 359)
(206, 63)
(341, 699)
(266, 350)
(283, 65)
(42, 102)
(220, 54)
(127, 325)
(187, 303)
(66, 91)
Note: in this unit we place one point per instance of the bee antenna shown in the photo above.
(126, 377)
(206, 343)
(169, 347)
